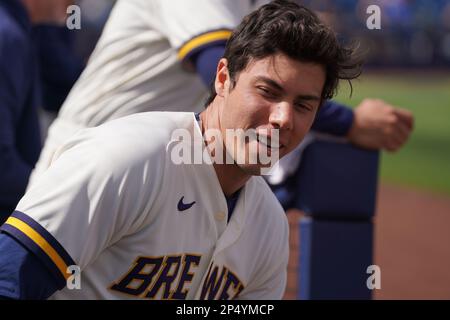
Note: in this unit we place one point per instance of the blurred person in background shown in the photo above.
(94, 15)
(59, 64)
(158, 55)
(32, 58)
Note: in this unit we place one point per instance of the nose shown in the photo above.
(281, 116)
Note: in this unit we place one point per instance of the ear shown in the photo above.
(222, 81)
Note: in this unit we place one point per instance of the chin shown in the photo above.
(254, 169)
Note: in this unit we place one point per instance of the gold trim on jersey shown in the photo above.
(41, 242)
(201, 40)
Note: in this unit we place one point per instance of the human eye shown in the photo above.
(266, 92)
(302, 107)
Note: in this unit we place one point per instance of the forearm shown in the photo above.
(334, 118)
(22, 275)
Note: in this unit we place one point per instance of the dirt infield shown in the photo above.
(412, 245)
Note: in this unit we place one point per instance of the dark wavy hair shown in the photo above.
(286, 27)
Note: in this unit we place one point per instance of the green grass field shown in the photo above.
(425, 161)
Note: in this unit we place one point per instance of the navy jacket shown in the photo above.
(20, 141)
(59, 65)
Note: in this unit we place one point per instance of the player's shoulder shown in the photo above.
(268, 217)
(269, 205)
(148, 128)
(262, 189)
(136, 139)
(160, 124)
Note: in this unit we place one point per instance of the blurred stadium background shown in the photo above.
(408, 65)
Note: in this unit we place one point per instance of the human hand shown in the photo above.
(379, 125)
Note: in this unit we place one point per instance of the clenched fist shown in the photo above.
(378, 125)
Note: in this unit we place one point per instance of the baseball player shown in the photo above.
(159, 55)
(115, 203)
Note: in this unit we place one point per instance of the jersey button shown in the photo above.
(220, 216)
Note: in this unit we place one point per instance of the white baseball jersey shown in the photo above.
(139, 63)
(140, 226)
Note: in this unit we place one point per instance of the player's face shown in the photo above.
(276, 92)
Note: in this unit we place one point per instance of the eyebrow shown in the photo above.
(278, 86)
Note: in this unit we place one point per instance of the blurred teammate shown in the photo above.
(154, 55)
(30, 51)
(19, 125)
(115, 203)
(23, 48)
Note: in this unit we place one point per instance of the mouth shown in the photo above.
(266, 141)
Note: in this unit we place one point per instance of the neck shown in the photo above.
(231, 177)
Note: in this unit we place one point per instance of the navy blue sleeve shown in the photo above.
(60, 67)
(333, 118)
(205, 62)
(22, 275)
(20, 140)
